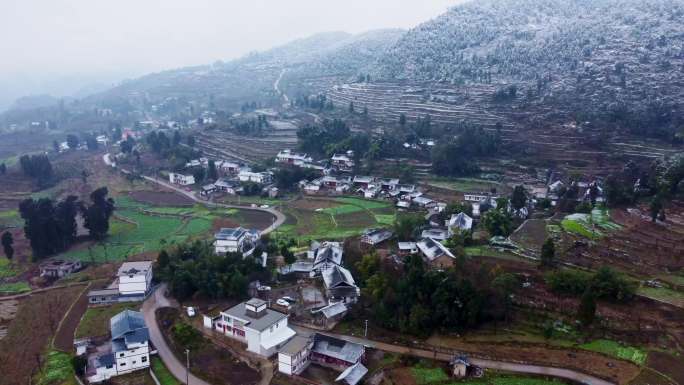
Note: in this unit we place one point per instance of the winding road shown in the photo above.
(279, 217)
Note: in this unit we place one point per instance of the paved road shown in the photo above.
(491, 364)
(155, 301)
(279, 217)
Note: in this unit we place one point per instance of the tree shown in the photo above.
(656, 207)
(548, 254)
(7, 242)
(351, 107)
(587, 308)
(288, 255)
(519, 197)
(98, 213)
(72, 141)
(212, 173)
(91, 142)
(127, 145)
(498, 222)
(402, 120)
(199, 174)
(406, 225)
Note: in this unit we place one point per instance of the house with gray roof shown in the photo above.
(325, 255)
(459, 222)
(335, 353)
(339, 284)
(353, 374)
(263, 330)
(127, 351)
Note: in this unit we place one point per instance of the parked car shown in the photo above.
(283, 303)
(191, 311)
(289, 299)
(264, 206)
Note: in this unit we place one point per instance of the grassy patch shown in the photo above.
(95, 321)
(465, 184)
(6, 268)
(58, 370)
(10, 218)
(15, 288)
(426, 376)
(592, 226)
(615, 349)
(162, 373)
(663, 294)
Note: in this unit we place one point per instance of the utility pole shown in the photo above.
(365, 332)
(187, 366)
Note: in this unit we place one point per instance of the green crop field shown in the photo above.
(503, 379)
(57, 370)
(6, 268)
(15, 288)
(615, 349)
(162, 373)
(427, 376)
(592, 226)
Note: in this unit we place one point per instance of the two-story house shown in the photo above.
(293, 357)
(293, 158)
(263, 330)
(235, 240)
(135, 280)
(128, 351)
(180, 179)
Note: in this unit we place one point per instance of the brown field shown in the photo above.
(667, 364)
(210, 362)
(642, 247)
(30, 332)
(312, 204)
(159, 198)
(255, 219)
(64, 339)
(531, 235)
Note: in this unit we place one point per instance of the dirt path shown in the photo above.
(64, 338)
(490, 364)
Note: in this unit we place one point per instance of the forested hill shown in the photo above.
(621, 57)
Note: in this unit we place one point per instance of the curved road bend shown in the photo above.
(155, 301)
(279, 217)
(490, 364)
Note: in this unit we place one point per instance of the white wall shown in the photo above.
(137, 357)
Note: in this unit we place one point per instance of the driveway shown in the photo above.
(280, 217)
(155, 301)
(490, 364)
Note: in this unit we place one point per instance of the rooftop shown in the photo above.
(134, 268)
(126, 322)
(230, 234)
(269, 318)
(295, 345)
(337, 348)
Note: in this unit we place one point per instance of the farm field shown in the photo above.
(33, 327)
(424, 375)
(57, 370)
(162, 373)
(467, 185)
(139, 227)
(315, 218)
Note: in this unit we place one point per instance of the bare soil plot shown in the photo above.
(64, 339)
(667, 364)
(31, 330)
(531, 235)
(641, 247)
(160, 198)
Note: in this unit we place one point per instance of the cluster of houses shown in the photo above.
(265, 332)
(133, 283)
(337, 163)
(231, 177)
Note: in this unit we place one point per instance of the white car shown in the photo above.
(283, 303)
(191, 311)
(289, 299)
(264, 206)
(263, 288)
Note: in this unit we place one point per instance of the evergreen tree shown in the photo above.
(98, 213)
(72, 141)
(402, 120)
(7, 242)
(212, 173)
(55, 146)
(587, 309)
(288, 255)
(519, 197)
(548, 254)
(351, 107)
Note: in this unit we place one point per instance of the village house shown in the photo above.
(335, 353)
(436, 254)
(255, 177)
(293, 158)
(331, 313)
(128, 350)
(363, 181)
(180, 179)
(343, 162)
(339, 284)
(264, 330)
(228, 186)
(438, 233)
(208, 189)
(423, 202)
(353, 374)
(459, 223)
(235, 240)
(325, 255)
(374, 237)
(135, 280)
(407, 248)
(228, 168)
(293, 357)
(58, 268)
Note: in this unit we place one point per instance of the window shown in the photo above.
(144, 359)
(134, 362)
(122, 364)
(121, 355)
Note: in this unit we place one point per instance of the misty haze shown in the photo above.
(385, 192)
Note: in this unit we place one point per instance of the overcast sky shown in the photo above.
(40, 39)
